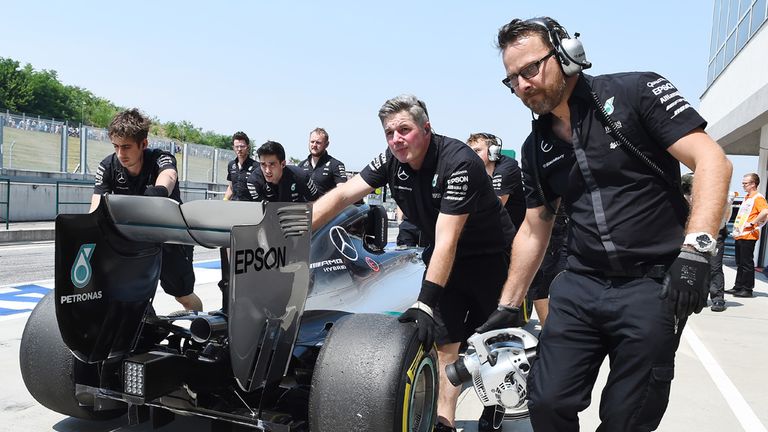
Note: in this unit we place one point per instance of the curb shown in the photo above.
(26, 235)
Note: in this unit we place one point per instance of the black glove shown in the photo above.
(686, 285)
(421, 312)
(156, 191)
(503, 317)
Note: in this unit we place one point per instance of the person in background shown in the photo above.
(752, 215)
(276, 182)
(506, 178)
(325, 170)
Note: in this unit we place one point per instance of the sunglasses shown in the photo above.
(529, 71)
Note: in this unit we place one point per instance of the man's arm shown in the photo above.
(447, 232)
(229, 192)
(702, 155)
(167, 178)
(528, 249)
(337, 199)
(95, 200)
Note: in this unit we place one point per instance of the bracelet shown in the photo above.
(424, 308)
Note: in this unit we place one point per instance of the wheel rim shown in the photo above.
(423, 397)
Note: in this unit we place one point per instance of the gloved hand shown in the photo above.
(686, 285)
(503, 317)
(422, 312)
(156, 191)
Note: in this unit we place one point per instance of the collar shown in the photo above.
(325, 157)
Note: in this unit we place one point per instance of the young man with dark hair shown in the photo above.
(443, 189)
(133, 169)
(239, 169)
(277, 182)
(609, 148)
(325, 170)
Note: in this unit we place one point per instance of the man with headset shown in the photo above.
(637, 261)
(506, 179)
(442, 188)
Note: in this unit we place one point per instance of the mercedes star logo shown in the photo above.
(342, 242)
(120, 177)
(545, 146)
(401, 174)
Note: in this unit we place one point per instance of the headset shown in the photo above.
(494, 148)
(570, 51)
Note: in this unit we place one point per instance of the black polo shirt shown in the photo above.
(508, 180)
(112, 177)
(452, 180)
(326, 174)
(645, 213)
(238, 175)
(294, 186)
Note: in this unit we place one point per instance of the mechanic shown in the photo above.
(133, 169)
(505, 174)
(276, 182)
(238, 171)
(325, 170)
(635, 270)
(443, 189)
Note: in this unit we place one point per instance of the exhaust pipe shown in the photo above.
(207, 327)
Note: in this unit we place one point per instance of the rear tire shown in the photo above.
(47, 365)
(373, 375)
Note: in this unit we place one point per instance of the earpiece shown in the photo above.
(570, 51)
(494, 148)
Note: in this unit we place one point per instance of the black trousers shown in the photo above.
(716, 276)
(745, 265)
(591, 318)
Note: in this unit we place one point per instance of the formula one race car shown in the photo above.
(309, 340)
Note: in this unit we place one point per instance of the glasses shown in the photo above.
(529, 71)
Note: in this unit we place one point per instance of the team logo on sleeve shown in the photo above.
(378, 162)
(457, 186)
(164, 161)
(608, 107)
(342, 169)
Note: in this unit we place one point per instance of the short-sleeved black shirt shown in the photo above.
(508, 180)
(112, 177)
(326, 174)
(294, 186)
(451, 180)
(238, 175)
(645, 214)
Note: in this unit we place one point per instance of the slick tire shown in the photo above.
(373, 375)
(47, 365)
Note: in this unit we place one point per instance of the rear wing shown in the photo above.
(108, 265)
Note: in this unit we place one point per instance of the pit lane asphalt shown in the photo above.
(719, 385)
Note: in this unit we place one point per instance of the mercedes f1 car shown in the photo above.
(309, 340)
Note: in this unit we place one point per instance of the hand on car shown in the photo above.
(686, 285)
(503, 317)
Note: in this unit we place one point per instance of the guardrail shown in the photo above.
(70, 182)
(7, 202)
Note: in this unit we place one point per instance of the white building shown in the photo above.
(735, 102)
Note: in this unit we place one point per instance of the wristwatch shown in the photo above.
(702, 242)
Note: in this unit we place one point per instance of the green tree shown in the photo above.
(15, 91)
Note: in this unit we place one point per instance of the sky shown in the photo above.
(277, 70)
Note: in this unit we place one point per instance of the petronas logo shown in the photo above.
(609, 106)
(81, 269)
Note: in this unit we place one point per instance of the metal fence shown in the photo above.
(39, 144)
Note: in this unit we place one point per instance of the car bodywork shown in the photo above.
(251, 367)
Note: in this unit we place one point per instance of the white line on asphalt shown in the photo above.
(739, 406)
(25, 247)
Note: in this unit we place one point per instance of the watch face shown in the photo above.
(704, 241)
